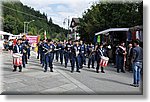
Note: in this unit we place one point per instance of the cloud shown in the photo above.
(58, 10)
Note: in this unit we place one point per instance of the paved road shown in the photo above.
(34, 81)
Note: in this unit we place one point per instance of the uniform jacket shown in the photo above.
(75, 50)
(68, 47)
(18, 49)
(83, 48)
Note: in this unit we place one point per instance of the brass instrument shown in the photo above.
(49, 50)
(91, 53)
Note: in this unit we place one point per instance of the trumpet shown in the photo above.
(49, 50)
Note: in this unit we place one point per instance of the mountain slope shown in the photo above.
(15, 14)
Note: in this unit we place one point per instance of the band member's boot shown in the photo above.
(51, 69)
(20, 68)
(102, 70)
(15, 68)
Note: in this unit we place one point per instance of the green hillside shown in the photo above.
(15, 14)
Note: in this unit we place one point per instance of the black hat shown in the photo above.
(49, 40)
(137, 42)
(19, 39)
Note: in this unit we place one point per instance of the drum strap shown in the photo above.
(101, 52)
(18, 49)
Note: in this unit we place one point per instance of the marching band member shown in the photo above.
(82, 54)
(76, 58)
(42, 53)
(18, 49)
(61, 52)
(49, 55)
(25, 47)
(28, 48)
(57, 52)
(91, 49)
(24, 57)
(100, 53)
(67, 53)
(121, 53)
(39, 49)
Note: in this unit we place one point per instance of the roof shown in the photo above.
(111, 30)
(136, 28)
(76, 20)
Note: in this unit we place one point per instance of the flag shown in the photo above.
(45, 35)
(98, 39)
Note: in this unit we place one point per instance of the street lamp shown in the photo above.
(67, 19)
(27, 26)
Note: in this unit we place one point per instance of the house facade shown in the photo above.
(74, 27)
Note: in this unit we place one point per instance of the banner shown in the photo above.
(32, 39)
(38, 37)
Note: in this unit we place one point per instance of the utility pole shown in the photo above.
(27, 23)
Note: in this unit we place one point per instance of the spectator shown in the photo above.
(137, 61)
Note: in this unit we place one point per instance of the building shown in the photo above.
(74, 27)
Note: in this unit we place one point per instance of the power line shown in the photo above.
(22, 12)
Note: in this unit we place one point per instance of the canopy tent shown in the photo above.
(11, 36)
(111, 30)
(5, 33)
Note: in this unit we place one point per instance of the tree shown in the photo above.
(9, 23)
(106, 15)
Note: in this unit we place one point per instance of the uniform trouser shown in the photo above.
(61, 52)
(83, 59)
(75, 60)
(57, 55)
(48, 61)
(25, 57)
(91, 59)
(42, 59)
(137, 66)
(129, 64)
(28, 52)
(24, 60)
(117, 61)
(51, 57)
(15, 67)
(38, 54)
(120, 63)
(98, 61)
(67, 56)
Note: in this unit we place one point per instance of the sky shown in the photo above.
(58, 10)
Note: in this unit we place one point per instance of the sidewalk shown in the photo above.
(34, 81)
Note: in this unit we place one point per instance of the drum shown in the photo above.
(17, 59)
(104, 61)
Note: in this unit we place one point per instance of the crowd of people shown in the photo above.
(77, 53)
